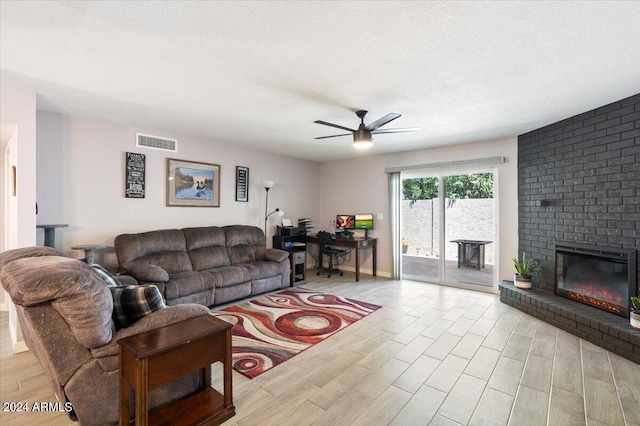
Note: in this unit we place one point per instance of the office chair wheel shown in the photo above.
(341, 274)
(329, 276)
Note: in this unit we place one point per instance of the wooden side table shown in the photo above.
(157, 357)
(298, 259)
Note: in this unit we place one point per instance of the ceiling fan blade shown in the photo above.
(333, 136)
(384, 120)
(334, 125)
(409, 129)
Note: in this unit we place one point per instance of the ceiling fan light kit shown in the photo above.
(362, 138)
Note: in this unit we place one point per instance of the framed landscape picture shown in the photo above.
(192, 184)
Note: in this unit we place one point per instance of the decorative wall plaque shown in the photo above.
(135, 175)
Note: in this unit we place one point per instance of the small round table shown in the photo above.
(89, 251)
(50, 233)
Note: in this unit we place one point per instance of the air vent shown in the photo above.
(156, 142)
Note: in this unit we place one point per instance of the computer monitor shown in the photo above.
(364, 221)
(345, 221)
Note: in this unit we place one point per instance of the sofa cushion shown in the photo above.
(244, 243)
(226, 276)
(133, 302)
(187, 283)
(261, 270)
(165, 248)
(206, 247)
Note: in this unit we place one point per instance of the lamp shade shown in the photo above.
(268, 184)
(362, 144)
(362, 138)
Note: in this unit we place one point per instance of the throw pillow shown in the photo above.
(133, 302)
(108, 278)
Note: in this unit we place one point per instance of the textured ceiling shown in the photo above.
(258, 74)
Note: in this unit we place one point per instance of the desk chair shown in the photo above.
(324, 239)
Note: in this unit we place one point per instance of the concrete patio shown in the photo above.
(424, 268)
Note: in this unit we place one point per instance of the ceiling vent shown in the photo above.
(156, 142)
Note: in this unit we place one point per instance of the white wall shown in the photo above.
(18, 111)
(81, 183)
(18, 108)
(360, 186)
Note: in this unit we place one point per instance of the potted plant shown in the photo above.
(524, 270)
(405, 246)
(634, 316)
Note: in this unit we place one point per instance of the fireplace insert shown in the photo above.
(602, 277)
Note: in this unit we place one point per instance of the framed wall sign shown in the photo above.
(242, 183)
(192, 184)
(134, 175)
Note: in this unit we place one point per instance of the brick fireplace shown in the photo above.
(579, 182)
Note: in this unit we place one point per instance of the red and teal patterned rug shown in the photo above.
(271, 329)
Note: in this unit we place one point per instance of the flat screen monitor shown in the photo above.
(364, 221)
(345, 221)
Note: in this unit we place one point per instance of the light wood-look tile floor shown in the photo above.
(431, 356)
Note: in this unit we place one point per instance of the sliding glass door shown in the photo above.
(448, 228)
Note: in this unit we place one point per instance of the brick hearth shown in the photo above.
(601, 328)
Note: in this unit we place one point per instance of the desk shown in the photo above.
(157, 357)
(468, 249)
(355, 243)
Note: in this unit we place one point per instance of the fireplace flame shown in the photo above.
(598, 292)
(594, 302)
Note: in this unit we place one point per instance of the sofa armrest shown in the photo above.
(126, 280)
(148, 273)
(275, 255)
(156, 319)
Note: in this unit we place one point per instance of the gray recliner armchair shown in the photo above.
(65, 312)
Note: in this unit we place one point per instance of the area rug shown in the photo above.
(271, 329)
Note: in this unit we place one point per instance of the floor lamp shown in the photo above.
(268, 184)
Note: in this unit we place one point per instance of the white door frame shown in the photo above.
(440, 174)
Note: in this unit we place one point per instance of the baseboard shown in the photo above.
(20, 347)
(17, 346)
(365, 271)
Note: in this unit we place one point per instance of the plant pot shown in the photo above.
(405, 249)
(634, 320)
(521, 282)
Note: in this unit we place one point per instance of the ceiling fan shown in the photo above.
(363, 135)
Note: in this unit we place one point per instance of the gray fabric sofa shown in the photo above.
(205, 265)
(65, 312)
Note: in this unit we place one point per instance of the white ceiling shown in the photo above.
(259, 73)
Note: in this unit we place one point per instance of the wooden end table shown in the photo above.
(157, 357)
